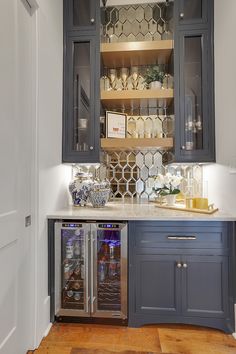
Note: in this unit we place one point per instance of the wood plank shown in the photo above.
(132, 143)
(128, 54)
(196, 342)
(136, 98)
(137, 94)
(172, 339)
(103, 351)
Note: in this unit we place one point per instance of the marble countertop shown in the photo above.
(135, 211)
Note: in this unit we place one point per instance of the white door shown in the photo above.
(16, 122)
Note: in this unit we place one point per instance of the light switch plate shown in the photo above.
(28, 221)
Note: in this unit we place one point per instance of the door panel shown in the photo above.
(8, 296)
(81, 117)
(16, 295)
(157, 284)
(205, 286)
(194, 106)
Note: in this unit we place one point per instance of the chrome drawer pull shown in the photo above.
(188, 238)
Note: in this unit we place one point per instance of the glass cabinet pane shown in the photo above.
(81, 13)
(193, 107)
(82, 94)
(108, 270)
(73, 274)
(192, 9)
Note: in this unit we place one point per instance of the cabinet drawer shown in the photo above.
(180, 236)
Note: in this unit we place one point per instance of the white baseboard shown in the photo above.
(47, 330)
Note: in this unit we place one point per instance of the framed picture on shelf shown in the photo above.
(116, 125)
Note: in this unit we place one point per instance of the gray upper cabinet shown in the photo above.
(194, 82)
(82, 15)
(192, 12)
(81, 109)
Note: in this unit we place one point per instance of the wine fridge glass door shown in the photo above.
(109, 270)
(71, 269)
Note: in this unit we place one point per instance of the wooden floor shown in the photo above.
(101, 339)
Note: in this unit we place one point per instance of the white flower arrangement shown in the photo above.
(167, 184)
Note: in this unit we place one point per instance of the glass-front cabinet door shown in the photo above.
(109, 271)
(71, 273)
(193, 11)
(81, 104)
(82, 14)
(194, 108)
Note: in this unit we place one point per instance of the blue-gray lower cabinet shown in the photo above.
(174, 279)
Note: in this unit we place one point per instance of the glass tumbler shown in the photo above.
(140, 127)
(148, 127)
(132, 128)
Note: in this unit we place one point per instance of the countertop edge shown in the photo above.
(135, 212)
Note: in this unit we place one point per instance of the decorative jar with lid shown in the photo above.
(80, 187)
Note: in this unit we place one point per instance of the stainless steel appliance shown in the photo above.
(91, 269)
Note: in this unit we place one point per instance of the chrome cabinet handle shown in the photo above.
(188, 238)
(91, 148)
(183, 147)
(181, 15)
(92, 20)
(185, 265)
(178, 265)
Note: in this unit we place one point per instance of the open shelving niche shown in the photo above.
(127, 54)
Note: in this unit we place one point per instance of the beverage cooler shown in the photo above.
(90, 269)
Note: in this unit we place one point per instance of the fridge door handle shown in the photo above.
(86, 260)
(93, 259)
(92, 272)
(87, 304)
(92, 302)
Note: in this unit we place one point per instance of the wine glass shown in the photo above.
(134, 77)
(113, 78)
(124, 74)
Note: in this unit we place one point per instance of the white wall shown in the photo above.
(220, 177)
(53, 177)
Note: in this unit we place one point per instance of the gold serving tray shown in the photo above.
(192, 210)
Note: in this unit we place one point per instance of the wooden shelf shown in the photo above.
(136, 98)
(128, 54)
(136, 144)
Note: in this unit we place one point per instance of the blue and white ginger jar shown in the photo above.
(80, 187)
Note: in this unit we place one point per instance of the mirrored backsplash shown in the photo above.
(132, 173)
(143, 22)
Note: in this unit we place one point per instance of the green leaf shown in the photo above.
(175, 191)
